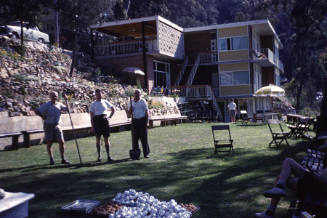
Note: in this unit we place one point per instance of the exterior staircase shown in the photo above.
(181, 72)
(193, 71)
(215, 105)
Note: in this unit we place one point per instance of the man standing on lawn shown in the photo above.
(232, 110)
(100, 124)
(139, 111)
(51, 113)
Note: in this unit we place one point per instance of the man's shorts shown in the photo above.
(101, 125)
(232, 113)
(53, 133)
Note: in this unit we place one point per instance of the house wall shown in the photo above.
(234, 90)
(268, 75)
(233, 55)
(198, 42)
(267, 42)
(204, 75)
(233, 31)
(232, 67)
(171, 41)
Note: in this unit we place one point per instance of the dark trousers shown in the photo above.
(140, 131)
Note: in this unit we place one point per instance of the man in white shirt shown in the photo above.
(139, 111)
(232, 110)
(50, 113)
(100, 124)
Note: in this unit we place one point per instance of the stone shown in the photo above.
(3, 73)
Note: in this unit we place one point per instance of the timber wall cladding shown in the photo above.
(233, 31)
(233, 67)
(234, 90)
(234, 55)
(171, 41)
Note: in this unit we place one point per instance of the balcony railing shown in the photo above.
(267, 54)
(194, 91)
(209, 58)
(114, 49)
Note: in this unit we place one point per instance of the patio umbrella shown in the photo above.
(270, 91)
(134, 70)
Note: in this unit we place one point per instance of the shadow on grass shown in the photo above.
(225, 186)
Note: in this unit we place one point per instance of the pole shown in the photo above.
(76, 142)
(130, 102)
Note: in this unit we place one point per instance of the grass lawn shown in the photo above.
(182, 166)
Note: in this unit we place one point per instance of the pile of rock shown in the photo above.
(25, 82)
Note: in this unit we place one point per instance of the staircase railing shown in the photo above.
(193, 71)
(215, 104)
(199, 92)
(181, 72)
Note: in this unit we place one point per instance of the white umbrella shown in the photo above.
(134, 70)
(270, 90)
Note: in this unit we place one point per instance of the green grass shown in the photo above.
(182, 166)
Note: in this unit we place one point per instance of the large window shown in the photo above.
(234, 78)
(233, 43)
(161, 72)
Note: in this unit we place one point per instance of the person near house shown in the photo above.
(51, 113)
(232, 110)
(302, 182)
(139, 111)
(100, 124)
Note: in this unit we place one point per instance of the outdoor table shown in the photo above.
(272, 116)
(299, 124)
(15, 205)
(293, 118)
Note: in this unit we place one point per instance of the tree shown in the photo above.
(299, 25)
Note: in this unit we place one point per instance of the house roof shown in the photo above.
(127, 27)
(260, 25)
(133, 27)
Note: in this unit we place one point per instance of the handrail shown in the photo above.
(125, 48)
(208, 57)
(193, 71)
(181, 72)
(191, 86)
(200, 92)
(268, 54)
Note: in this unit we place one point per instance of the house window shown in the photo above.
(224, 44)
(240, 43)
(161, 71)
(234, 78)
(233, 43)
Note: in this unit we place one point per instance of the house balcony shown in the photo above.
(125, 48)
(209, 58)
(265, 57)
(195, 92)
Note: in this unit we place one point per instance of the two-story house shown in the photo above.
(215, 63)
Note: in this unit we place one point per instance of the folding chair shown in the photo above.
(277, 137)
(303, 127)
(222, 140)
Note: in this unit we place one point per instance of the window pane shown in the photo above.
(241, 78)
(239, 43)
(226, 79)
(161, 67)
(222, 44)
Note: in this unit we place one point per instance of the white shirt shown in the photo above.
(100, 107)
(139, 108)
(51, 112)
(231, 106)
